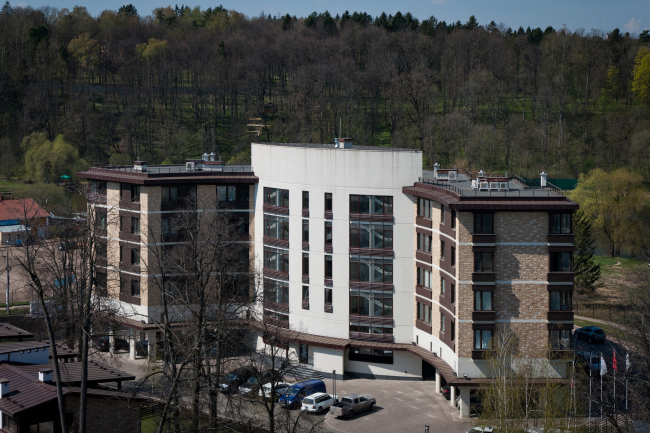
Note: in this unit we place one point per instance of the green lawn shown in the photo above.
(619, 262)
(8, 185)
(609, 330)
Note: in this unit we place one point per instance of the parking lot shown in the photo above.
(402, 406)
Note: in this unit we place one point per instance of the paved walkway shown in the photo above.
(602, 322)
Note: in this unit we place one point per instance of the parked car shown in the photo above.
(481, 430)
(231, 381)
(446, 391)
(104, 344)
(592, 334)
(293, 397)
(280, 389)
(351, 405)
(318, 402)
(253, 382)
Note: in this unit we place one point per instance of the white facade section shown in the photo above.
(322, 169)
(28, 356)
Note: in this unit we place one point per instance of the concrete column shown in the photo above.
(464, 402)
(111, 340)
(151, 338)
(132, 344)
(438, 382)
(452, 397)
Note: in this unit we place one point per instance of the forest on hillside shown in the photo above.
(184, 81)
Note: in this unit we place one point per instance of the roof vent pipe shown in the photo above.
(4, 387)
(212, 156)
(542, 180)
(481, 173)
(436, 167)
(206, 157)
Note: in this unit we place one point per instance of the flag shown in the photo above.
(614, 365)
(627, 361)
(603, 366)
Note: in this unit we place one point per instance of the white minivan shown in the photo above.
(318, 402)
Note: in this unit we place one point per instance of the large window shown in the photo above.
(169, 194)
(231, 193)
(135, 256)
(371, 204)
(483, 223)
(482, 339)
(453, 256)
(328, 233)
(560, 223)
(135, 226)
(371, 355)
(424, 313)
(276, 227)
(9, 423)
(371, 269)
(483, 300)
(561, 300)
(305, 200)
(483, 262)
(442, 286)
(305, 264)
(328, 202)
(424, 243)
(42, 427)
(424, 278)
(328, 267)
(453, 219)
(135, 288)
(305, 293)
(424, 208)
(367, 303)
(276, 259)
(168, 226)
(276, 197)
(305, 231)
(560, 339)
(135, 193)
(442, 213)
(371, 235)
(442, 250)
(442, 322)
(328, 296)
(371, 329)
(277, 292)
(561, 262)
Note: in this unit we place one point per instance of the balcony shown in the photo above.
(484, 316)
(560, 239)
(424, 222)
(560, 316)
(484, 239)
(484, 277)
(480, 354)
(424, 292)
(276, 322)
(560, 277)
(381, 338)
(370, 320)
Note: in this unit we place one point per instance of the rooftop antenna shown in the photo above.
(340, 127)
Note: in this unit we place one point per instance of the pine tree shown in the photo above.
(585, 268)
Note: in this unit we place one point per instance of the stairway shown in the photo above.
(303, 371)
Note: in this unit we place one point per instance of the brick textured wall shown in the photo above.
(521, 262)
(521, 301)
(465, 226)
(465, 303)
(107, 415)
(521, 226)
(113, 232)
(465, 340)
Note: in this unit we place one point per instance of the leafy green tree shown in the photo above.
(128, 11)
(286, 22)
(613, 203)
(152, 49)
(641, 75)
(585, 268)
(85, 50)
(48, 160)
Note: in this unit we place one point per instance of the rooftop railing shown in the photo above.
(175, 169)
(527, 191)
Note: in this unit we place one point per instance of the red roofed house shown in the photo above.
(17, 216)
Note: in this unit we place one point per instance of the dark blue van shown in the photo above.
(293, 397)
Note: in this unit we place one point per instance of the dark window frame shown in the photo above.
(305, 200)
(560, 223)
(282, 258)
(386, 269)
(384, 299)
(135, 288)
(479, 261)
(424, 313)
(329, 266)
(481, 333)
(329, 233)
(281, 199)
(559, 260)
(356, 206)
(479, 300)
(484, 223)
(328, 202)
(564, 300)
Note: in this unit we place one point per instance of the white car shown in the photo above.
(318, 402)
(280, 388)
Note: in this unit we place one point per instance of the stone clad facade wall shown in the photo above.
(113, 234)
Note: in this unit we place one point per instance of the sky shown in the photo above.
(631, 16)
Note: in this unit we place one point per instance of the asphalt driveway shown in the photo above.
(402, 406)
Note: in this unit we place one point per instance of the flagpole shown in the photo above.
(601, 391)
(591, 368)
(615, 367)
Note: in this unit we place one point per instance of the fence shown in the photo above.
(614, 312)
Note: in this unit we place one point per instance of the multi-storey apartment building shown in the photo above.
(374, 268)
(136, 208)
